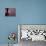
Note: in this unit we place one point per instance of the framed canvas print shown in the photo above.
(10, 11)
(32, 32)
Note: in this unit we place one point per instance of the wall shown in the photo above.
(32, 11)
(27, 12)
(7, 24)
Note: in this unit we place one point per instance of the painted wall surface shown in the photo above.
(27, 12)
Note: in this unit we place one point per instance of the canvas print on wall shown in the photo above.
(10, 12)
(32, 32)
